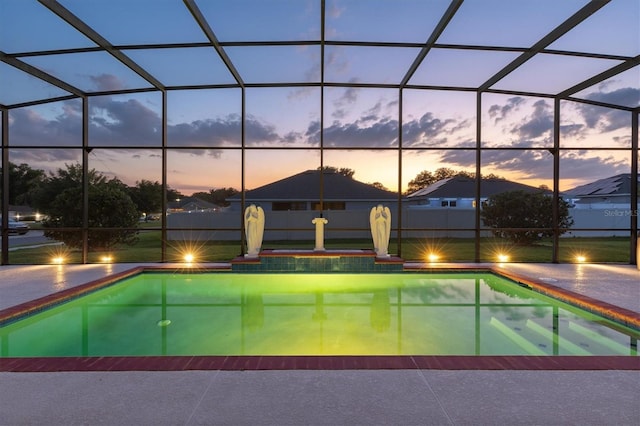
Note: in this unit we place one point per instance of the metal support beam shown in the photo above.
(204, 25)
(206, 28)
(634, 188)
(588, 10)
(478, 190)
(163, 217)
(627, 65)
(400, 140)
(92, 35)
(322, 64)
(4, 208)
(38, 73)
(243, 166)
(435, 34)
(85, 180)
(556, 181)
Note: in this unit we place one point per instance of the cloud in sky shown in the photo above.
(348, 97)
(379, 133)
(428, 130)
(538, 164)
(28, 128)
(501, 112)
(51, 157)
(336, 61)
(609, 119)
(585, 118)
(573, 130)
(210, 132)
(629, 96)
(128, 121)
(577, 165)
(107, 82)
(114, 122)
(537, 124)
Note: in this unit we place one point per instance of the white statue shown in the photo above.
(380, 220)
(254, 228)
(319, 222)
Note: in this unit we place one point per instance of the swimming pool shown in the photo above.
(233, 314)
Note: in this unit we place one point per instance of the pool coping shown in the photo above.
(312, 362)
(315, 362)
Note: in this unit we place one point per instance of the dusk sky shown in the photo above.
(203, 125)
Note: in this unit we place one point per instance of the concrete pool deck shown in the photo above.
(332, 397)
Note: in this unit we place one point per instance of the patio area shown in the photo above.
(412, 396)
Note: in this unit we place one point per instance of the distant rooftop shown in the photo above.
(614, 185)
(464, 187)
(306, 186)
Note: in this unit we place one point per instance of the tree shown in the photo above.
(216, 196)
(379, 186)
(532, 212)
(345, 171)
(174, 194)
(445, 173)
(110, 207)
(147, 196)
(23, 181)
(426, 178)
(422, 180)
(57, 182)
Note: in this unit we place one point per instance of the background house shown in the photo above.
(190, 204)
(443, 209)
(290, 204)
(302, 192)
(23, 213)
(604, 203)
(460, 192)
(609, 193)
(447, 208)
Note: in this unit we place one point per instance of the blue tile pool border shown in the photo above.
(310, 261)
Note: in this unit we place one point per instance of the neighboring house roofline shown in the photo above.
(465, 187)
(305, 186)
(605, 187)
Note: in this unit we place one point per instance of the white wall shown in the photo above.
(355, 224)
(601, 218)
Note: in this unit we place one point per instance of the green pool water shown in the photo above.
(314, 314)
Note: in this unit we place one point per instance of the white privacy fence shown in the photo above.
(345, 224)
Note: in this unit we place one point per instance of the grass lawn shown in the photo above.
(149, 249)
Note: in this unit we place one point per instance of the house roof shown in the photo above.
(464, 187)
(20, 209)
(306, 186)
(613, 185)
(187, 202)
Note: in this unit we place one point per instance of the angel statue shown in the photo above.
(254, 228)
(380, 220)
